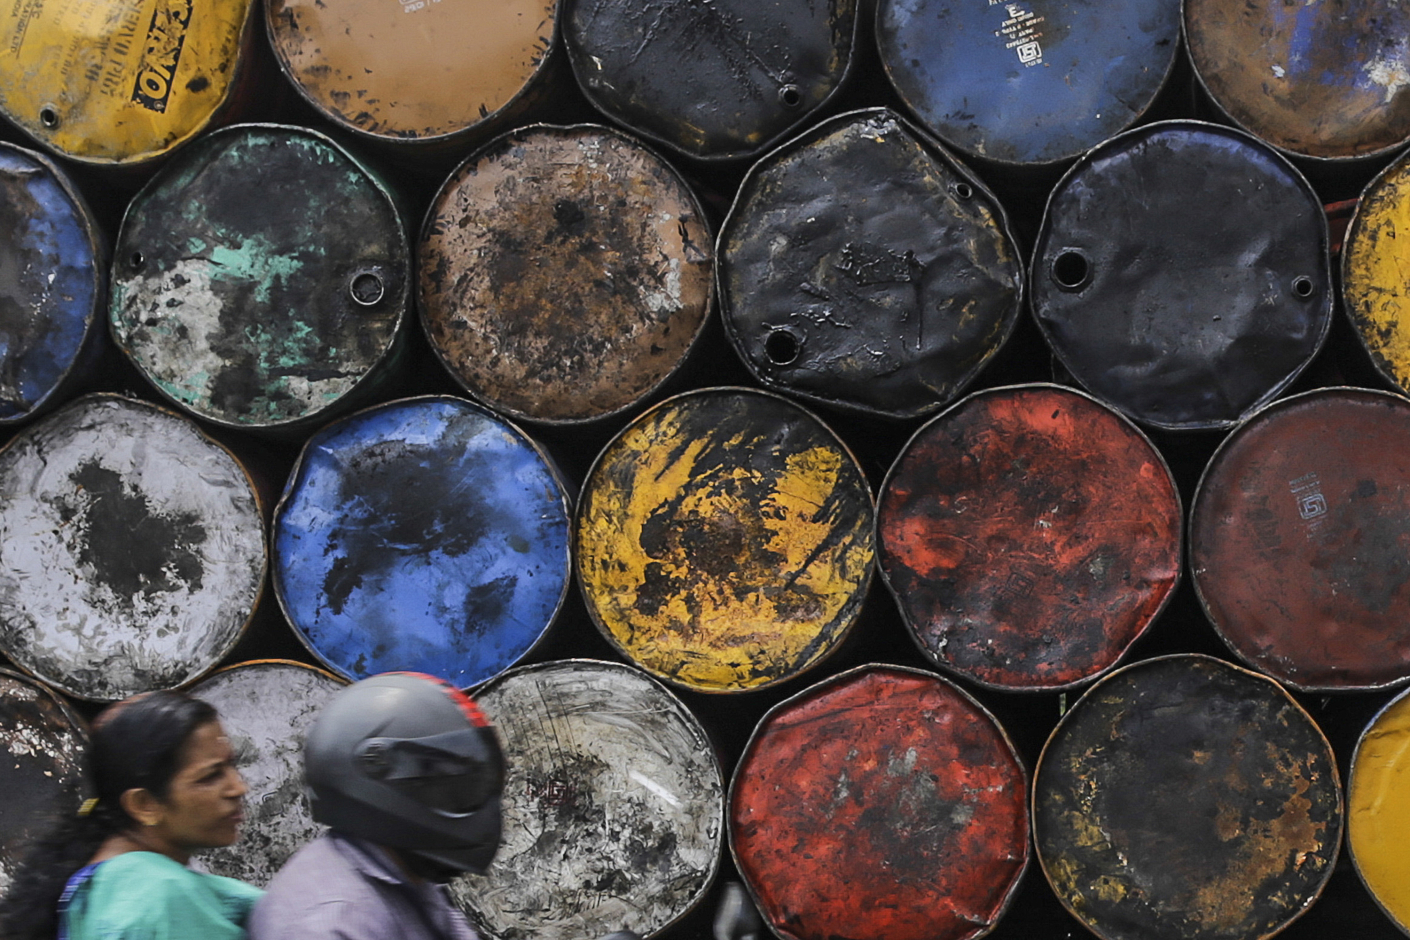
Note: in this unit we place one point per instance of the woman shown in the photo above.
(166, 786)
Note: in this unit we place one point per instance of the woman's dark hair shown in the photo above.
(134, 744)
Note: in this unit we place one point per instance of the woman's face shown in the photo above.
(203, 806)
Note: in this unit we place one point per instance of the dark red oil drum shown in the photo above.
(1164, 301)
(887, 294)
(881, 804)
(1029, 535)
(1300, 540)
(1184, 798)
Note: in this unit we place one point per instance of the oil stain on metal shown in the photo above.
(1376, 272)
(1378, 810)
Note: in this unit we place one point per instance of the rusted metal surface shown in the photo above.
(1375, 269)
(886, 294)
(425, 535)
(1378, 810)
(260, 278)
(1029, 535)
(41, 767)
(724, 540)
(564, 273)
(131, 549)
(1300, 540)
(613, 806)
(881, 804)
(715, 79)
(413, 70)
(52, 269)
(1032, 82)
(1324, 79)
(1181, 323)
(1185, 798)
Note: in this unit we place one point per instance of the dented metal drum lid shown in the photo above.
(261, 278)
(724, 540)
(266, 707)
(422, 535)
(404, 71)
(1029, 535)
(1033, 82)
(1378, 810)
(121, 82)
(1300, 540)
(42, 756)
(1182, 274)
(718, 80)
(886, 293)
(52, 268)
(1375, 272)
(881, 804)
(1323, 80)
(1186, 798)
(613, 806)
(564, 273)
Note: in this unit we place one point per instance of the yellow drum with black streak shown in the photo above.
(1378, 810)
(118, 81)
(724, 540)
(1376, 272)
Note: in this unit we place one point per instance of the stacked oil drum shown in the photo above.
(944, 464)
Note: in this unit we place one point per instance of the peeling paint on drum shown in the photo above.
(1375, 268)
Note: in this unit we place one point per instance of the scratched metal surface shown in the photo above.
(613, 806)
(1328, 79)
(1375, 270)
(1180, 323)
(881, 804)
(1378, 810)
(41, 765)
(266, 708)
(131, 549)
(1029, 535)
(887, 294)
(590, 220)
(711, 78)
(1030, 82)
(1300, 540)
(1184, 798)
(261, 277)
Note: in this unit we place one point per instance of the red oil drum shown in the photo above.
(881, 804)
(1029, 535)
(1300, 540)
(1184, 797)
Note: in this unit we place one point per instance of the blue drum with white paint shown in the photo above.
(1031, 81)
(426, 535)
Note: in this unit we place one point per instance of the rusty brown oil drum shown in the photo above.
(1378, 810)
(613, 806)
(1029, 535)
(420, 73)
(1186, 797)
(42, 774)
(132, 549)
(883, 803)
(1300, 540)
(266, 707)
(1326, 81)
(1375, 272)
(1180, 323)
(886, 295)
(716, 81)
(723, 540)
(564, 273)
(261, 279)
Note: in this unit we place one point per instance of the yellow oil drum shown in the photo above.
(1376, 272)
(120, 81)
(1378, 809)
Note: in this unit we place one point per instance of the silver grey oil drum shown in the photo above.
(564, 273)
(42, 745)
(1185, 798)
(716, 80)
(884, 294)
(1028, 83)
(52, 270)
(132, 549)
(266, 707)
(613, 806)
(261, 278)
(1300, 540)
(1163, 301)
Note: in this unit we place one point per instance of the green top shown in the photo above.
(146, 896)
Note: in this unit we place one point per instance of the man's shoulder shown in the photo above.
(321, 892)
